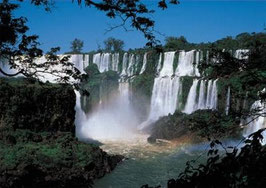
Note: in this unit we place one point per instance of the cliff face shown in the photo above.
(201, 123)
(37, 143)
(36, 107)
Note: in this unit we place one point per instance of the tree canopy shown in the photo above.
(20, 50)
(76, 46)
(112, 44)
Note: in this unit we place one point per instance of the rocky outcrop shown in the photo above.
(169, 127)
(51, 160)
(27, 104)
(204, 123)
(37, 143)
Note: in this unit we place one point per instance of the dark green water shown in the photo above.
(147, 164)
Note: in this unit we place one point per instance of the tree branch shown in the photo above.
(10, 75)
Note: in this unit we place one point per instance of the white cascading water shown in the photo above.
(86, 61)
(124, 64)
(143, 68)
(114, 121)
(102, 61)
(227, 107)
(203, 101)
(77, 60)
(257, 121)
(57, 70)
(158, 69)
(106, 61)
(165, 92)
(214, 95)
(137, 63)
(209, 92)
(241, 53)
(168, 86)
(198, 59)
(191, 104)
(131, 65)
(97, 59)
(115, 61)
(202, 95)
(79, 117)
(186, 65)
(167, 69)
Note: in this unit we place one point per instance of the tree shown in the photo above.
(235, 167)
(112, 44)
(177, 43)
(20, 50)
(76, 46)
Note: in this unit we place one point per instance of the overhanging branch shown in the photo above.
(10, 75)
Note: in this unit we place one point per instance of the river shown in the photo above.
(147, 163)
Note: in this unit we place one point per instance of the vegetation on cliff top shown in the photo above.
(38, 147)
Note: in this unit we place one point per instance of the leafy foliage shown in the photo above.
(49, 159)
(21, 50)
(76, 46)
(100, 86)
(112, 44)
(237, 167)
(38, 147)
(241, 41)
(36, 106)
(213, 124)
(177, 43)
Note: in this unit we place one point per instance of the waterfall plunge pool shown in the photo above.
(147, 163)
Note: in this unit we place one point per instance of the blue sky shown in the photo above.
(198, 21)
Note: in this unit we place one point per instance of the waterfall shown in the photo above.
(167, 69)
(159, 63)
(80, 116)
(196, 70)
(115, 120)
(214, 95)
(58, 70)
(164, 97)
(131, 68)
(257, 121)
(137, 63)
(124, 65)
(241, 53)
(97, 59)
(227, 107)
(102, 61)
(167, 87)
(77, 60)
(86, 61)
(105, 61)
(165, 92)
(191, 104)
(202, 95)
(143, 68)
(115, 62)
(186, 65)
(202, 102)
(209, 94)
